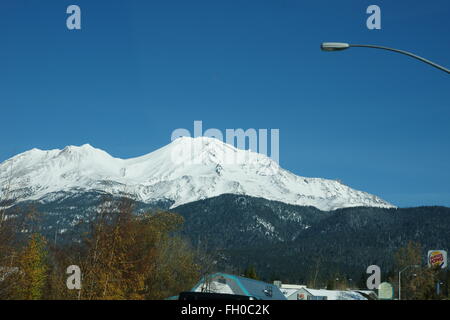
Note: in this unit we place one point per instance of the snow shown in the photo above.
(186, 170)
(215, 287)
(288, 292)
(292, 286)
(336, 294)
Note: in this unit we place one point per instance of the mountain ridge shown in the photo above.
(186, 170)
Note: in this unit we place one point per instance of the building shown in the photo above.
(322, 294)
(301, 292)
(231, 284)
(289, 290)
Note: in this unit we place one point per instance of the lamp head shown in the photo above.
(334, 46)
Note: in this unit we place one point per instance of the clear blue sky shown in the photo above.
(137, 70)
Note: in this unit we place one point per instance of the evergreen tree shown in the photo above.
(250, 273)
(331, 284)
(362, 283)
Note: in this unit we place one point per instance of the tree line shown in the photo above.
(122, 255)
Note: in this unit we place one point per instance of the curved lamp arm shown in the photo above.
(337, 46)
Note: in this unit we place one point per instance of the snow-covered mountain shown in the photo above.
(186, 170)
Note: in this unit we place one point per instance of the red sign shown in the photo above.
(437, 258)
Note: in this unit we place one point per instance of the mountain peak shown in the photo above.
(207, 151)
(205, 143)
(84, 147)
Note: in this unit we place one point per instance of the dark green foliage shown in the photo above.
(298, 244)
(237, 222)
(250, 273)
(345, 241)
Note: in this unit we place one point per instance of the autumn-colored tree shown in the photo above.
(8, 254)
(11, 223)
(417, 280)
(207, 264)
(8, 230)
(174, 269)
(60, 258)
(129, 256)
(105, 262)
(124, 255)
(32, 270)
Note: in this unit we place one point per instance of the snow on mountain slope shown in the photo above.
(186, 170)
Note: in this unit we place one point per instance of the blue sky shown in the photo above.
(137, 70)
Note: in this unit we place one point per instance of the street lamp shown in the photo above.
(438, 287)
(400, 279)
(338, 46)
